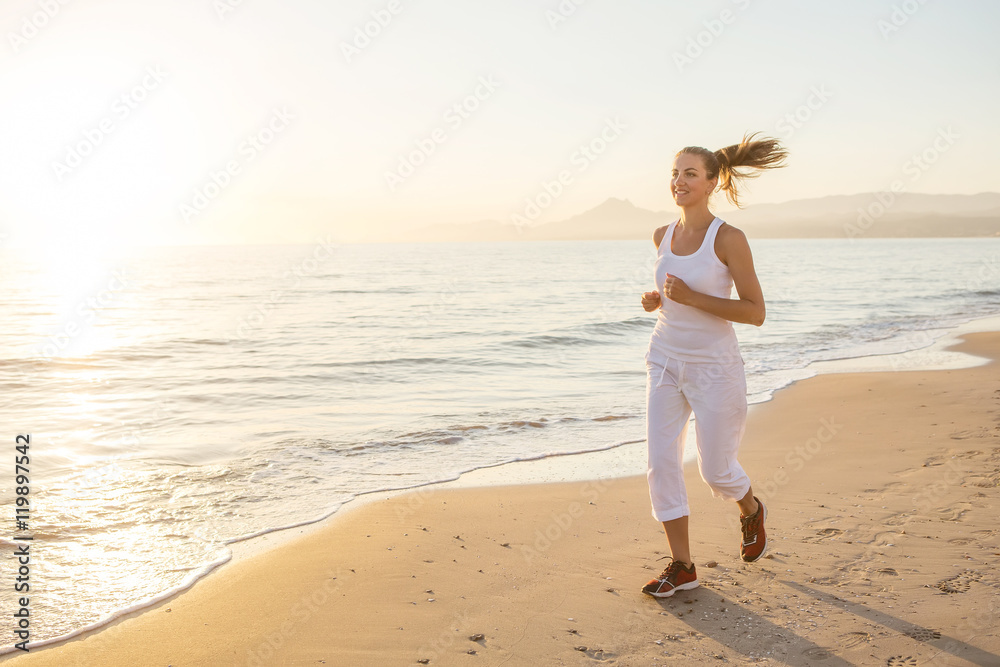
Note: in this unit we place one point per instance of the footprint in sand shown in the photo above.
(960, 583)
(818, 653)
(990, 578)
(597, 654)
(954, 585)
(824, 534)
(851, 639)
(887, 572)
(961, 541)
(952, 513)
(901, 661)
(923, 634)
(899, 519)
(990, 482)
(968, 433)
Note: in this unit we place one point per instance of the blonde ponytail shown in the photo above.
(766, 153)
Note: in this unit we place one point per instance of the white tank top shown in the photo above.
(684, 332)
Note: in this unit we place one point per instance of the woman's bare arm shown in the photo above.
(651, 300)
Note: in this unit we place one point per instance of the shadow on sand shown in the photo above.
(701, 609)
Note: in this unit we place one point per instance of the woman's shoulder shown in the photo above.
(659, 232)
(729, 234)
(730, 241)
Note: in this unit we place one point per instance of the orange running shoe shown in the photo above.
(754, 538)
(675, 577)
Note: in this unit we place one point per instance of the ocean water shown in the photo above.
(182, 399)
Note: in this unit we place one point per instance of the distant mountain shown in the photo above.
(614, 219)
(871, 215)
(845, 205)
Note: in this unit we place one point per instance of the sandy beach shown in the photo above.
(882, 491)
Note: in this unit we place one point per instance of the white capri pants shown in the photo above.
(717, 393)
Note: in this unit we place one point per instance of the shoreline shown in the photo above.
(269, 543)
(632, 455)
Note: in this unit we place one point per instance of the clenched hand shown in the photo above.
(650, 301)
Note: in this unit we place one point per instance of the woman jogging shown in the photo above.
(694, 361)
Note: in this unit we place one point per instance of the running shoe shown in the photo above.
(754, 538)
(675, 577)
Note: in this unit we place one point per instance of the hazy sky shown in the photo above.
(254, 120)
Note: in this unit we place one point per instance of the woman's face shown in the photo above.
(688, 184)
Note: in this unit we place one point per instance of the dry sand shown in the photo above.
(882, 491)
